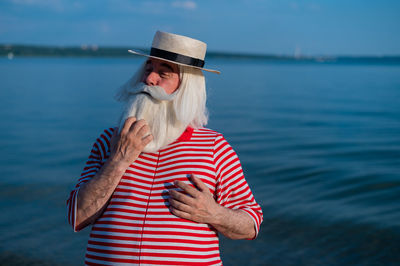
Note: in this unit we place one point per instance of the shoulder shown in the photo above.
(103, 141)
(205, 132)
(106, 135)
(209, 134)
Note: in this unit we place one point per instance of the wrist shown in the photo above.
(219, 216)
(116, 165)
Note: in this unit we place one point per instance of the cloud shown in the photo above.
(188, 5)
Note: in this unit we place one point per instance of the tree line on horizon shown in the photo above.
(10, 51)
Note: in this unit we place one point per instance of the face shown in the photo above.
(163, 74)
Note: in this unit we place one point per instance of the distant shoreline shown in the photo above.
(10, 51)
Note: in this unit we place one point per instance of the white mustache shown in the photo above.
(156, 92)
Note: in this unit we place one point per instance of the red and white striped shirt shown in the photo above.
(137, 226)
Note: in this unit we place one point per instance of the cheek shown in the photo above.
(172, 85)
(169, 88)
(177, 84)
(177, 81)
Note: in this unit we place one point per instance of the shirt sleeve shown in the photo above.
(232, 189)
(97, 157)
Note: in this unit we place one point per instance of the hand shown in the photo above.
(195, 204)
(127, 146)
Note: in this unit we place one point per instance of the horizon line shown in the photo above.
(95, 47)
(12, 50)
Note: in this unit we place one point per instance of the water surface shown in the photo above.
(319, 144)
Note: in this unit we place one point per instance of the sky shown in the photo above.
(282, 27)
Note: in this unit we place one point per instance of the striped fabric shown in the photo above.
(137, 226)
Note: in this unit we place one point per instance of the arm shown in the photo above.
(234, 211)
(94, 195)
(125, 148)
(200, 206)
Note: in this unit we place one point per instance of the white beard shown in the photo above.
(155, 106)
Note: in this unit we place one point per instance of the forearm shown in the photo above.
(198, 204)
(125, 148)
(234, 224)
(94, 195)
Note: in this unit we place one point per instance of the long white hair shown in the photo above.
(167, 115)
(190, 102)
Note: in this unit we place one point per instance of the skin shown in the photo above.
(125, 148)
(198, 205)
(163, 74)
(195, 204)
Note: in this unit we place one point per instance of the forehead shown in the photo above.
(156, 63)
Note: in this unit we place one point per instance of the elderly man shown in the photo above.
(160, 187)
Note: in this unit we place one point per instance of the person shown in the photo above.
(159, 188)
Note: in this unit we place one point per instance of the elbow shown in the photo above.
(252, 235)
(249, 235)
(246, 234)
(79, 225)
(81, 221)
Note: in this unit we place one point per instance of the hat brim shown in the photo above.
(160, 58)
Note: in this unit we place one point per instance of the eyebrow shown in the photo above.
(162, 64)
(167, 66)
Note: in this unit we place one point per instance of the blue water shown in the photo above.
(319, 144)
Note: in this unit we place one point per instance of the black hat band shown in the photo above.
(183, 59)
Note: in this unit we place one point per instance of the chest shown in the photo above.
(147, 181)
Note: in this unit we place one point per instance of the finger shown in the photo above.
(127, 125)
(135, 127)
(179, 205)
(199, 184)
(180, 214)
(187, 188)
(144, 131)
(147, 140)
(181, 197)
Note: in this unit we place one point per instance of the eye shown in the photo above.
(165, 74)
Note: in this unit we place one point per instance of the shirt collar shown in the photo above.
(186, 135)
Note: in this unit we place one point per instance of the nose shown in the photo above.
(152, 79)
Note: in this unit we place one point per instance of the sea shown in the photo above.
(319, 143)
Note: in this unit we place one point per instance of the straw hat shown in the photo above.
(178, 49)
